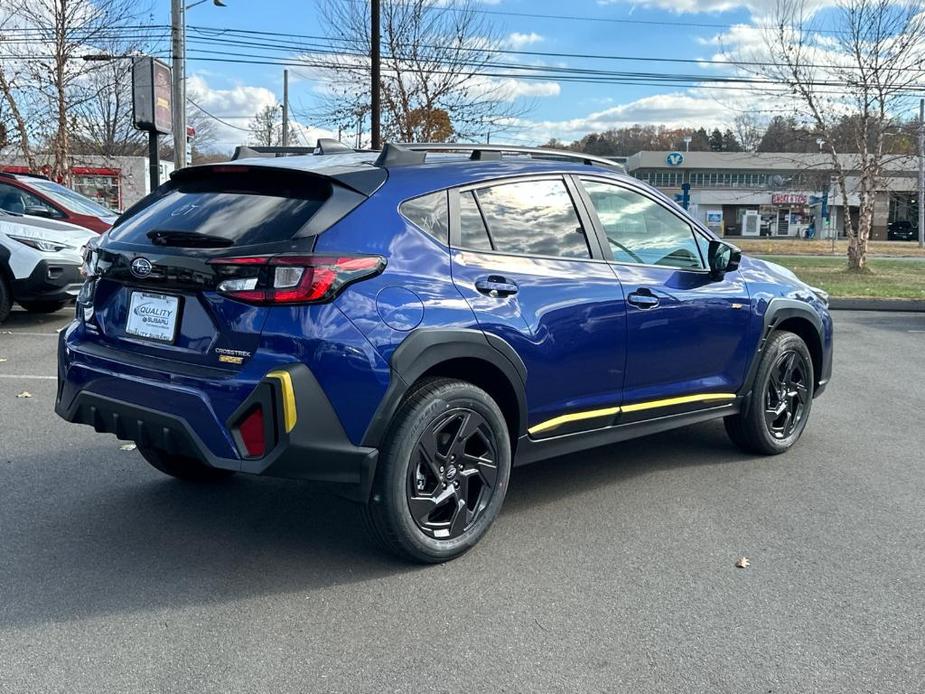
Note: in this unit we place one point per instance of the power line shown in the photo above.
(216, 118)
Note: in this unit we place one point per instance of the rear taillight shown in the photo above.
(292, 279)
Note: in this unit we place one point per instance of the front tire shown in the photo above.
(183, 468)
(43, 306)
(781, 399)
(443, 473)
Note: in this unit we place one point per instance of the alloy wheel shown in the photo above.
(453, 473)
(787, 394)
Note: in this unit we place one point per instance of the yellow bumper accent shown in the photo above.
(635, 407)
(290, 415)
(574, 417)
(703, 397)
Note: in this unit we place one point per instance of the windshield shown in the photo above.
(72, 200)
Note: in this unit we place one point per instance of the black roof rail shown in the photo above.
(402, 153)
(328, 145)
(399, 155)
(250, 151)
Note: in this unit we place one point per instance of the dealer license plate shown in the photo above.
(153, 316)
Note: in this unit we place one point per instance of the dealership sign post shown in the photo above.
(151, 107)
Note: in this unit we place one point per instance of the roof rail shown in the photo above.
(328, 145)
(394, 154)
(249, 151)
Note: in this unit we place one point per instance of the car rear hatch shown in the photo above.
(160, 275)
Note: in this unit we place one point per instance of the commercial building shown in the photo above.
(117, 182)
(776, 193)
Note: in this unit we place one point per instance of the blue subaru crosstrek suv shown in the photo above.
(406, 325)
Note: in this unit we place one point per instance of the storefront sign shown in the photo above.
(788, 198)
(674, 159)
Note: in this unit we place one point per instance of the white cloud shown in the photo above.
(756, 7)
(519, 40)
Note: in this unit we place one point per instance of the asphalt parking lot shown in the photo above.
(607, 571)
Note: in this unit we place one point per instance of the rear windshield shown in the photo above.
(247, 209)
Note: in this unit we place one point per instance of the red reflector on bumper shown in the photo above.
(253, 434)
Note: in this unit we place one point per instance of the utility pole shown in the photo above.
(178, 44)
(921, 198)
(285, 108)
(375, 75)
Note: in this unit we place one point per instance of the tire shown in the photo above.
(781, 400)
(183, 468)
(431, 508)
(6, 299)
(43, 306)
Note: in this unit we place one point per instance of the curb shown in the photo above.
(899, 305)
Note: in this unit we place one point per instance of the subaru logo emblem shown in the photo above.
(141, 267)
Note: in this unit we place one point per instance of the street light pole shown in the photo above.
(178, 44)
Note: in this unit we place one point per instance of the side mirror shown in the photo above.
(38, 211)
(722, 258)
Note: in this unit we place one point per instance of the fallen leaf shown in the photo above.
(127, 447)
(2, 359)
(743, 563)
(24, 394)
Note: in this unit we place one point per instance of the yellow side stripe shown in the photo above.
(635, 407)
(290, 415)
(667, 402)
(574, 417)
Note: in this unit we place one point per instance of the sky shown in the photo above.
(685, 29)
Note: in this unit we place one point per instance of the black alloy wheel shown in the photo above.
(442, 473)
(776, 411)
(453, 473)
(786, 394)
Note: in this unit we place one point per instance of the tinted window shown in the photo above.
(639, 230)
(19, 201)
(472, 232)
(247, 209)
(430, 213)
(534, 218)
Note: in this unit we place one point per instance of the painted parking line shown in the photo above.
(15, 377)
(28, 334)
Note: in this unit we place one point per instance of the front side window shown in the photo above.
(534, 218)
(639, 230)
(19, 201)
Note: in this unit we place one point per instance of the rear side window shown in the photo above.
(252, 208)
(430, 213)
(534, 218)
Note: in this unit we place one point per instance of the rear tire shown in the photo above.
(442, 474)
(43, 306)
(6, 299)
(183, 468)
(779, 406)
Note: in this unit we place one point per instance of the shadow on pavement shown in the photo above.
(89, 535)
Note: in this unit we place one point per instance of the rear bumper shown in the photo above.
(49, 281)
(316, 448)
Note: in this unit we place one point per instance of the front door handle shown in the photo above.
(495, 286)
(643, 299)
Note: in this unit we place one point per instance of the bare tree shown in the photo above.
(865, 66)
(56, 83)
(266, 128)
(748, 130)
(434, 65)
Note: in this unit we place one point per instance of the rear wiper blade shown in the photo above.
(188, 239)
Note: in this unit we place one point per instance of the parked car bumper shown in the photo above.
(177, 416)
(51, 280)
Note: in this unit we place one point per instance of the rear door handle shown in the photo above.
(643, 299)
(495, 286)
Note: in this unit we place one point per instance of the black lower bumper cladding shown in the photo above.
(317, 448)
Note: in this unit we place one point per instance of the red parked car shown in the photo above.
(40, 197)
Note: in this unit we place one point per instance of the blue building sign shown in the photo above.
(674, 159)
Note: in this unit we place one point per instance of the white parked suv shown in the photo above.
(40, 263)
